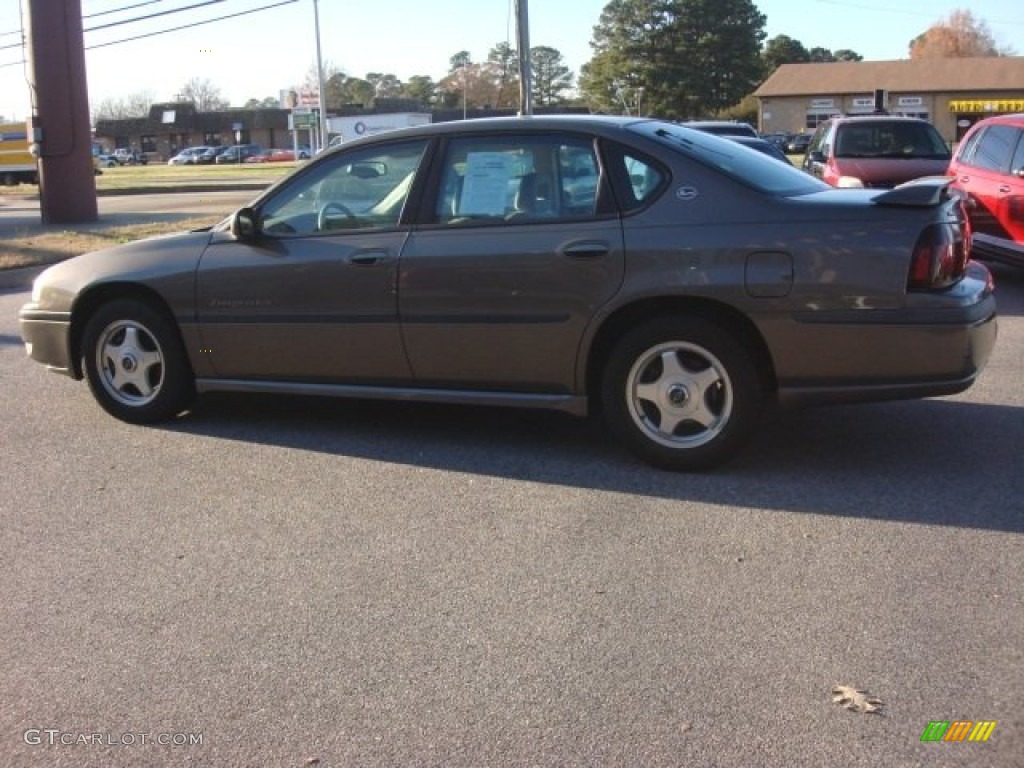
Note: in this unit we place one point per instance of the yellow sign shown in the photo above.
(987, 105)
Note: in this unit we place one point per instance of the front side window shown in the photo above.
(489, 180)
(362, 189)
(996, 147)
(1017, 165)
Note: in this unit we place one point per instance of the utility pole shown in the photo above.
(320, 80)
(523, 42)
(60, 129)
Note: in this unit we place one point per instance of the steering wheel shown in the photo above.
(327, 211)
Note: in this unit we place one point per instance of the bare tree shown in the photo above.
(134, 105)
(959, 36)
(204, 94)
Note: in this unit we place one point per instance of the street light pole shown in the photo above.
(523, 42)
(320, 79)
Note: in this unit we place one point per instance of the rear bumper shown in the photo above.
(919, 353)
(992, 248)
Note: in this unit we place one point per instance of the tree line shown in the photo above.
(672, 58)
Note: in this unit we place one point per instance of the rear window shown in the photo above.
(724, 129)
(733, 160)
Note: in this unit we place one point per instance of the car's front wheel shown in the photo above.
(135, 363)
(682, 393)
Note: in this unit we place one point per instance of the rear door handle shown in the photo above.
(592, 249)
(1004, 189)
(369, 256)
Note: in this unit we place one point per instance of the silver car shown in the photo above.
(673, 280)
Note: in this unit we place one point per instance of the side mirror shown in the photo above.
(246, 225)
(816, 156)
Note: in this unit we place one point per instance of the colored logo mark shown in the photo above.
(958, 730)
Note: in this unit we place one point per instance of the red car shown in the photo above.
(273, 156)
(988, 168)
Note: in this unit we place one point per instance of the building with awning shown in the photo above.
(952, 94)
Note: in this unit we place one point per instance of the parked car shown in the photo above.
(696, 282)
(127, 156)
(722, 127)
(763, 146)
(210, 155)
(875, 151)
(281, 156)
(106, 161)
(238, 153)
(188, 156)
(779, 138)
(988, 168)
(263, 157)
(797, 143)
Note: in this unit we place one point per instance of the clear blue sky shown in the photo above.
(259, 54)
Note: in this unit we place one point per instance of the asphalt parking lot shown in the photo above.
(291, 582)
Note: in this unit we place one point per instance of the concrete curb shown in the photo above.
(186, 188)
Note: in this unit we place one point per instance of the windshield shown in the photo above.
(732, 159)
(890, 138)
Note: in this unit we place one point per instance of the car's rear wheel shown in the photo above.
(682, 393)
(135, 363)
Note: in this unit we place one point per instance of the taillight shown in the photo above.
(940, 256)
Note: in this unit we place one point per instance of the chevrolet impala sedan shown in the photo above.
(674, 281)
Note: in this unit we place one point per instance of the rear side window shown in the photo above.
(636, 178)
(995, 148)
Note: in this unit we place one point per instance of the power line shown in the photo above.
(142, 18)
(906, 11)
(194, 24)
(120, 10)
(154, 15)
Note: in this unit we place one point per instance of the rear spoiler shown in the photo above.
(923, 192)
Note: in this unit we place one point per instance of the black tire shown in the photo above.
(135, 363)
(681, 393)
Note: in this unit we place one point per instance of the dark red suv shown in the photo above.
(875, 151)
(988, 168)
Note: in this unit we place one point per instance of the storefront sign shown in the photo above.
(987, 105)
(910, 101)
